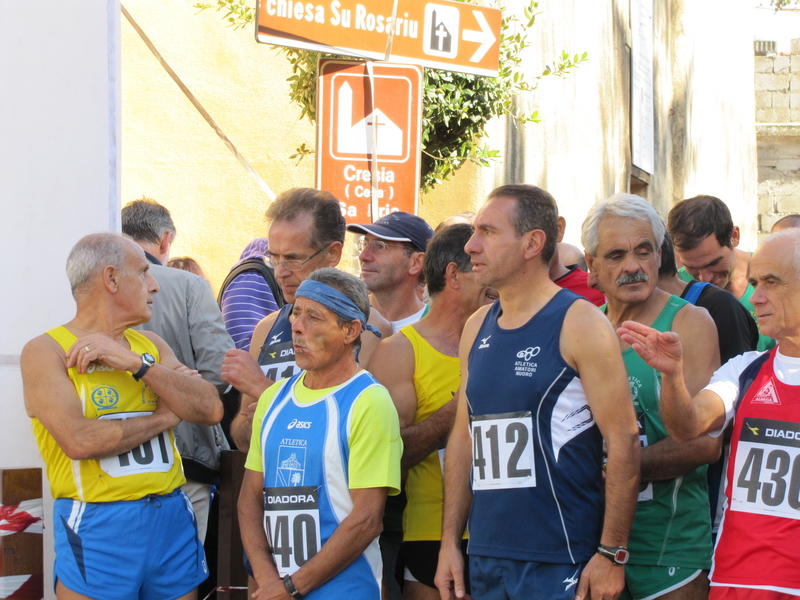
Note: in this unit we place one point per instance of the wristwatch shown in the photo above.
(290, 589)
(147, 362)
(619, 555)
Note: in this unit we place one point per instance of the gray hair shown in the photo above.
(145, 220)
(626, 206)
(350, 286)
(92, 254)
(787, 234)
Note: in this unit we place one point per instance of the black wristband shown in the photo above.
(290, 589)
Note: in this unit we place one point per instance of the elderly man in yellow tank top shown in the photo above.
(104, 399)
(419, 366)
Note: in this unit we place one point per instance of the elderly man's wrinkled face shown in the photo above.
(627, 259)
(776, 298)
(319, 340)
(137, 286)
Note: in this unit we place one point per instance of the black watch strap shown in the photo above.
(290, 589)
(147, 362)
(619, 555)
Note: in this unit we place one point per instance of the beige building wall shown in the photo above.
(172, 155)
(704, 126)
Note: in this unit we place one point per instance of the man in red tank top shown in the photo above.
(757, 550)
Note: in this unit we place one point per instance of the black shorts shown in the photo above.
(421, 560)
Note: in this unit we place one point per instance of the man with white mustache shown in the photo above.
(670, 541)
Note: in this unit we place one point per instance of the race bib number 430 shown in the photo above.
(767, 469)
(291, 522)
(502, 451)
(153, 456)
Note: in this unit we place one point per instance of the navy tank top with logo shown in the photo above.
(277, 354)
(536, 450)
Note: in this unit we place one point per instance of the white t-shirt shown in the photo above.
(398, 325)
(725, 381)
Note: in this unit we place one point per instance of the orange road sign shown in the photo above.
(441, 34)
(369, 118)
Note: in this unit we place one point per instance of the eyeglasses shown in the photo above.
(378, 246)
(294, 264)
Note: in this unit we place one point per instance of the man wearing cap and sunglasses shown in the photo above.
(306, 233)
(391, 256)
(325, 451)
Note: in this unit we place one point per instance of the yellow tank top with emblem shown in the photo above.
(436, 380)
(106, 393)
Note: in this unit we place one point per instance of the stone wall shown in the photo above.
(777, 85)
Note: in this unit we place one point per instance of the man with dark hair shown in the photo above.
(787, 222)
(543, 383)
(306, 233)
(104, 400)
(392, 251)
(706, 241)
(188, 319)
(419, 367)
(325, 451)
(756, 554)
(671, 536)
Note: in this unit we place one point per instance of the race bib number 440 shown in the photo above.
(291, 522)
(766, 476)
(502, 451)
(153, 456)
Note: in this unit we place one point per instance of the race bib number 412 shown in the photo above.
(291, 522)
(502, 451)
(766, 476)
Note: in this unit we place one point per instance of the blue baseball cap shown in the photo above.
(398, 227)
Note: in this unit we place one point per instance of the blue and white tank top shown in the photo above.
(277, 353)
(305, 452)
(537, 452)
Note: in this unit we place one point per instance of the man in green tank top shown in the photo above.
(670, 542)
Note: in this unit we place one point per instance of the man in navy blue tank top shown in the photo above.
(543, 383)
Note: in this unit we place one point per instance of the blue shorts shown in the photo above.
(144, 549)
(506, 579)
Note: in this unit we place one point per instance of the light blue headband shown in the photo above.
(335, 300)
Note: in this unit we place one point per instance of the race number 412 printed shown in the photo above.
(502, 451)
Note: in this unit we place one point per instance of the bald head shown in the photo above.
(785, 243)
(92, 254)
(787, 222)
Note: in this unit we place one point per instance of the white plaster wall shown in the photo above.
(703, 103)
(720, 156)
(59, 118)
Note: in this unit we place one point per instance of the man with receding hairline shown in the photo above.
(756, 554)
(104, 399)
(787, 222)
(543, 384)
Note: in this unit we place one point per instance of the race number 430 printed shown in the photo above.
(502, 451)
(766, 477)
(291, 522)
(153, 456)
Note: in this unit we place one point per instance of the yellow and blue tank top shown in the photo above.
(436, 380)
(154, 467)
